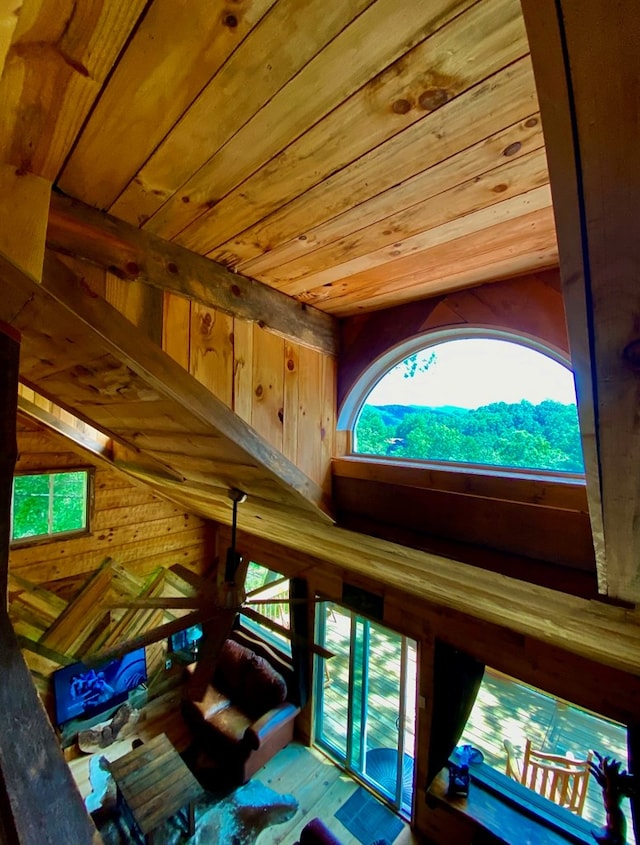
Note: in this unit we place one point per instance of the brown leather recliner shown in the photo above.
(245, 716)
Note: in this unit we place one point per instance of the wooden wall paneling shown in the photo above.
(211, 356)
(595, 173)
(328, 423)
(112, 537)
(187, 547)
(176, 328)
(8, 21)
(503, 100)
(76, 51)
(291, 407)
(175, 536)
(243, 335)
(538, 532)
(92, 275)
(490, 36)
(172, 56)
(268, 386)
(140, 303)
(310, 413)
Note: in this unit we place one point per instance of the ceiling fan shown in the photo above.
(215, 608)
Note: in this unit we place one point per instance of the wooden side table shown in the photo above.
(154, 784)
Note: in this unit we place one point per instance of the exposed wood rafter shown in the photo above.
(78, 230)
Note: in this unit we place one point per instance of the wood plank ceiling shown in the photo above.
(353, 155)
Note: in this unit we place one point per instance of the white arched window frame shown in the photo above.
(356, 397)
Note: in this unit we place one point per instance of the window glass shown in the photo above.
(475, 400)
(266, 585)
(510, 711)
(49, 504)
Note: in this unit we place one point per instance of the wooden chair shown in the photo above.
(561, 779)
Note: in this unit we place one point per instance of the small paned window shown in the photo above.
(49, 505)
(474, 400)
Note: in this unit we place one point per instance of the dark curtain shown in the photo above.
(299, 616)
(456, 681)
(633, 752)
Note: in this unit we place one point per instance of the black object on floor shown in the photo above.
(367, 819)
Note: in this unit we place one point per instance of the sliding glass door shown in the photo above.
(365, 701)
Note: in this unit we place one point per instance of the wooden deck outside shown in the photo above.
(508, 710)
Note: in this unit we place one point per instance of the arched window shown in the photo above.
(483, 400)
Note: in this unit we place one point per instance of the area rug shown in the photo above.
(367, 819)
(234, 818)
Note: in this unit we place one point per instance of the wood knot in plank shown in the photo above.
(512, 149)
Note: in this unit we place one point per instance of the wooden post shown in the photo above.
(587, 71)
(39, 801)
(9, 353)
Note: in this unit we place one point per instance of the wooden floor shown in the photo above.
(318, 785)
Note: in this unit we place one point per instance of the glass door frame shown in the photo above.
(358, 702)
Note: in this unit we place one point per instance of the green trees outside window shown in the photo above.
(478, 401)
(49, 504)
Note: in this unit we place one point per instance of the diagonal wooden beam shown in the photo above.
(591, 140)
(135, 256)
(81, 352)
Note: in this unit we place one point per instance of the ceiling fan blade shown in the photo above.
(256, 602)
(268, 586)
(150, 637)
(215, 631)
(163, 602)
(286, 633)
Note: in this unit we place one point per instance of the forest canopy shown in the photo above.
(542, 436)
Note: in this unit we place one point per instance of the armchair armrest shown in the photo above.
(257, 733)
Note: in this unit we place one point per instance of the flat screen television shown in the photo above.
(81, 692)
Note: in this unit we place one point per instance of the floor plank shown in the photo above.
(319, 786)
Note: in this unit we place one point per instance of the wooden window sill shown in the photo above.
(512, 814)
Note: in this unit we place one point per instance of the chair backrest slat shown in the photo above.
(561, 779)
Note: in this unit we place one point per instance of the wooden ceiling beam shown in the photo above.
(84, 232)
(595, 179)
